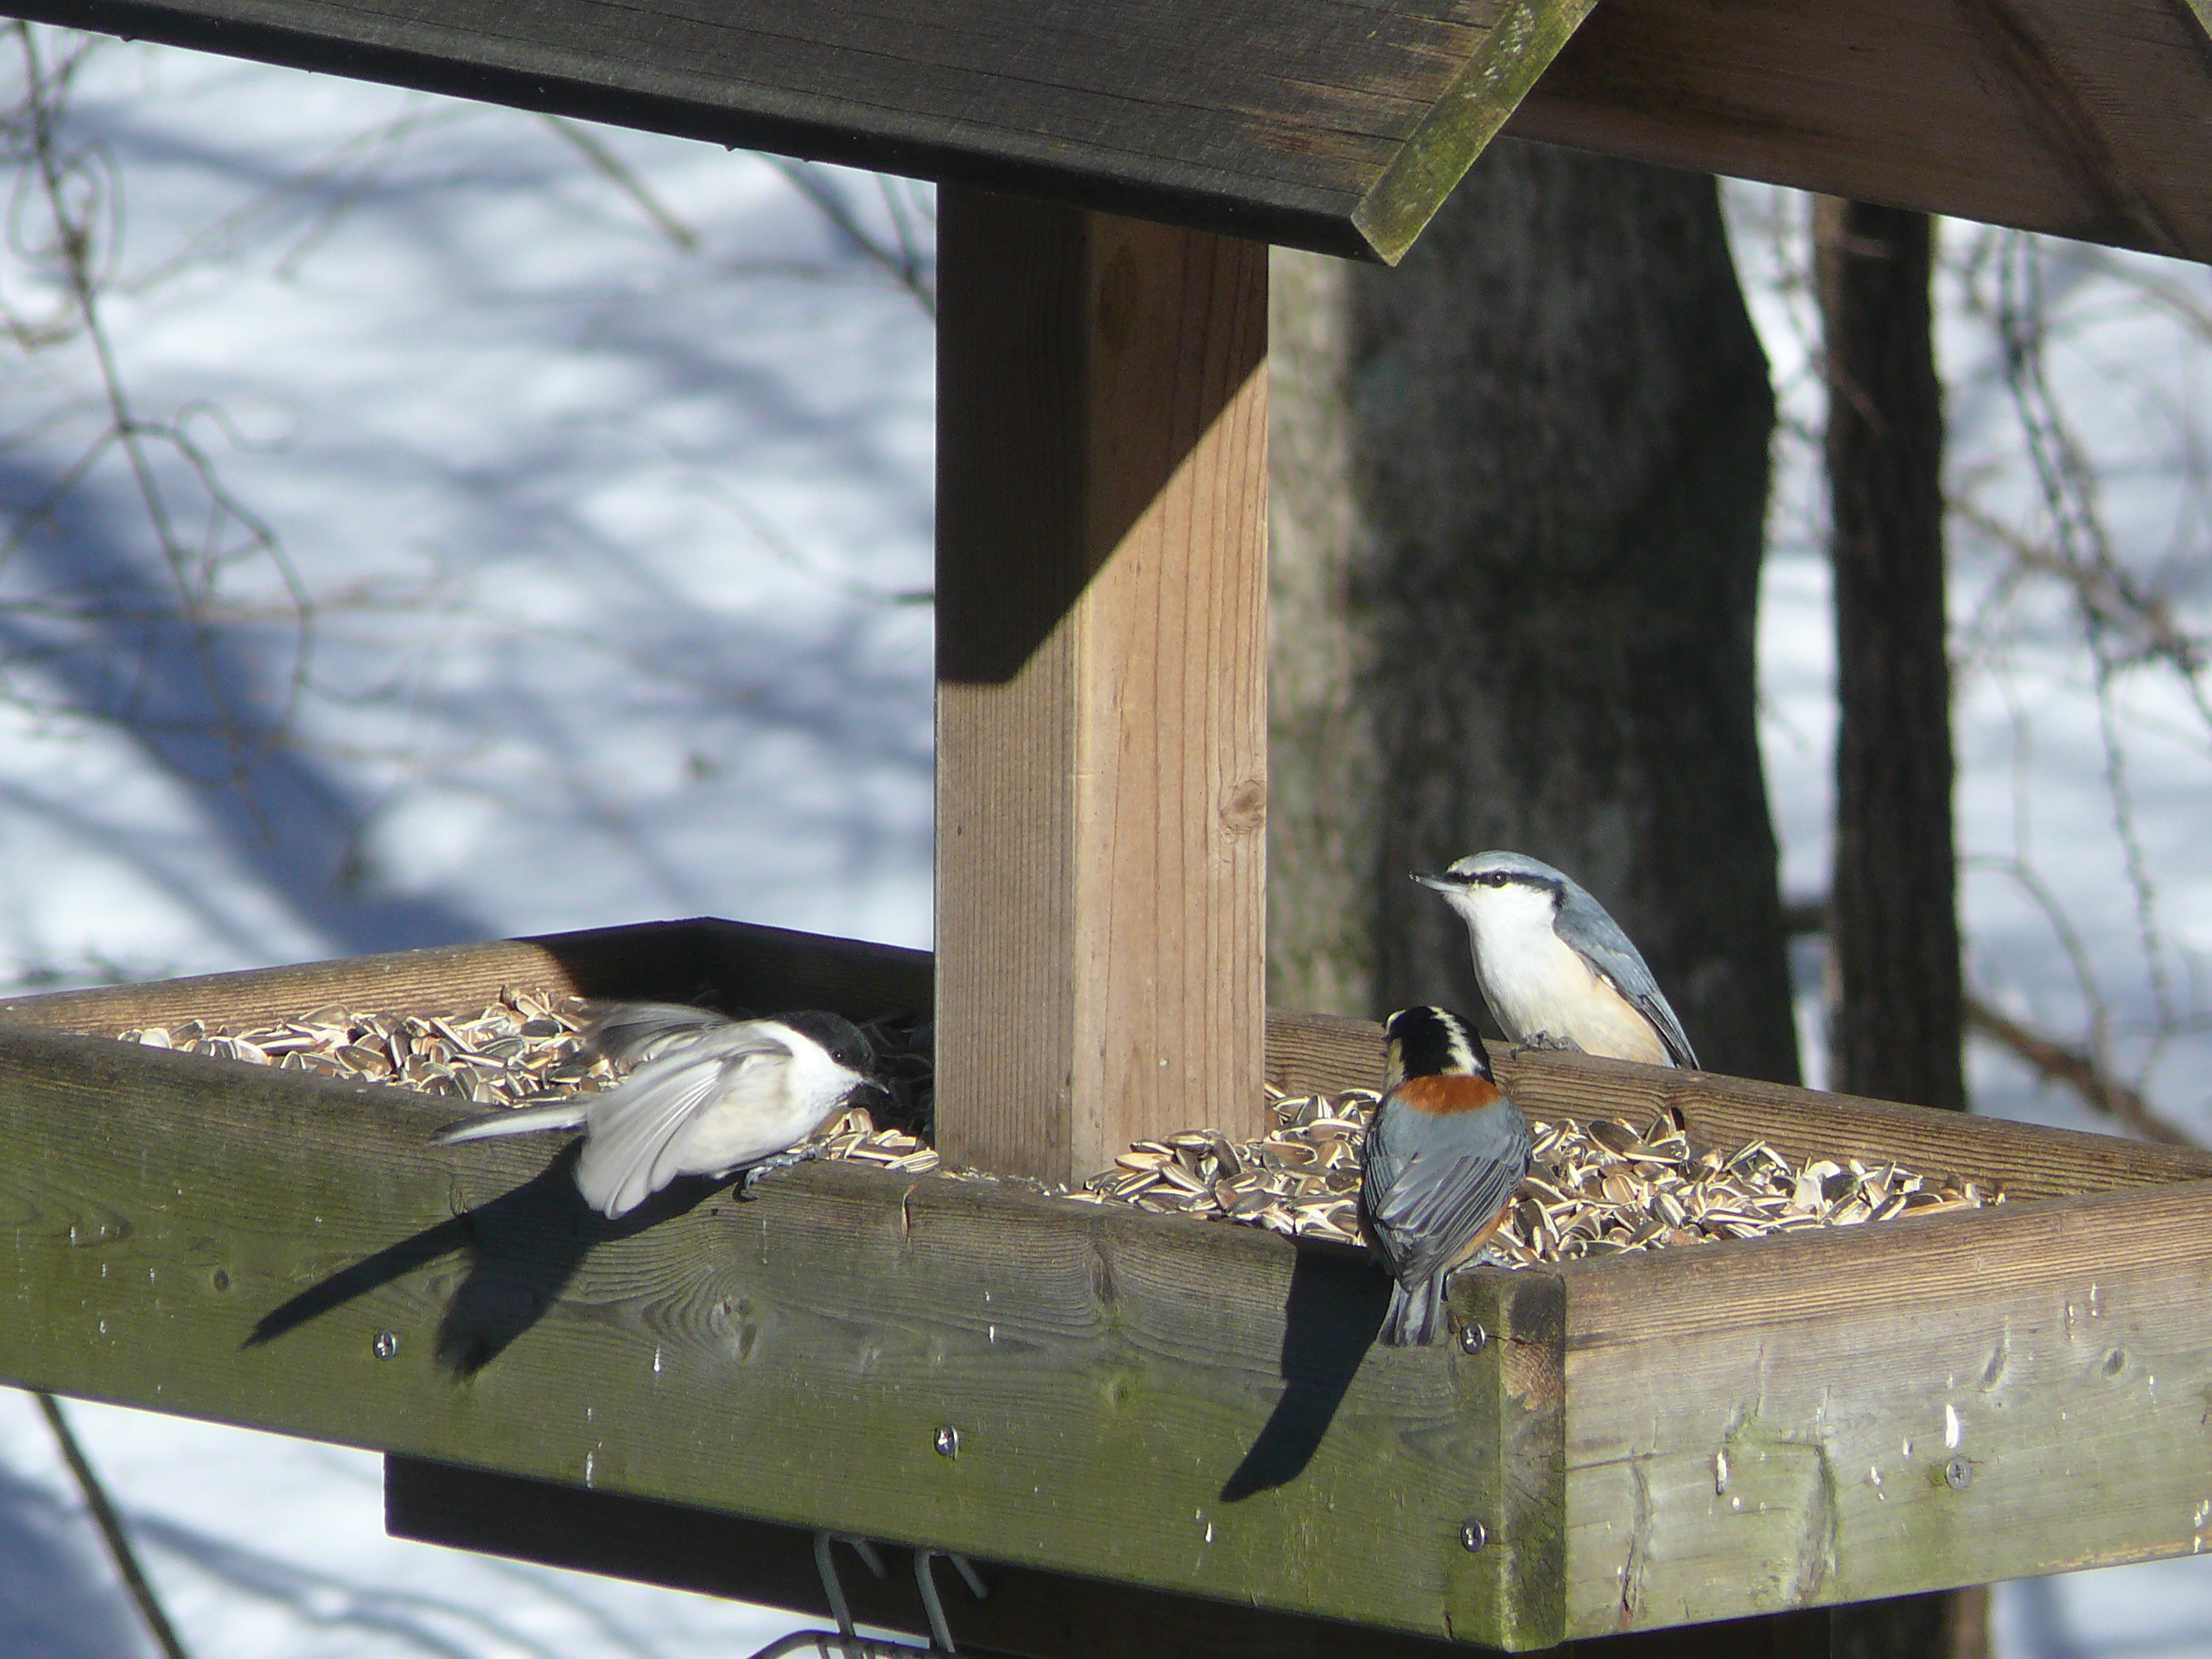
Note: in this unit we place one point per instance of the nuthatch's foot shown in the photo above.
(805, 1154)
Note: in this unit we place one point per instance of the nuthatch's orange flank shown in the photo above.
(1445, 1151)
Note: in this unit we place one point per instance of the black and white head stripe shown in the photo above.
(1431, 1042)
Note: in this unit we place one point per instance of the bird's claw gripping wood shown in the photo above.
(754, 1176)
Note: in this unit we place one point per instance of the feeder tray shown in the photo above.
(1153, 1418)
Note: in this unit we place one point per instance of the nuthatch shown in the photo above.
(1445, 1153)
(1556, 970)
(710, 1096)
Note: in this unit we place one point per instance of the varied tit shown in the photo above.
(1556, 970)
(1445, 1151)
(710, 1096)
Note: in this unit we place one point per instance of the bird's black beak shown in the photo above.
(872, 1093)
(1442, 880)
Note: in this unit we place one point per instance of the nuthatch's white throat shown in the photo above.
(1556, 970)
(1445, 1151)
(710, 1096)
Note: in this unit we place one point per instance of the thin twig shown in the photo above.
(904, 263)
(2053, 1060)
(2056, 1062)
(612, 168)
(119, 1548)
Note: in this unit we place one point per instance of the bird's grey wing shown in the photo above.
(634, 1033)
(636, 1145)
(1585, 926)
(1433, 1181)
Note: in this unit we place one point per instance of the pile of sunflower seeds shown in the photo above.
(1597, 1189)
(527, 1048)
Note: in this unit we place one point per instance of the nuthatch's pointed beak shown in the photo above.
(1443, 882)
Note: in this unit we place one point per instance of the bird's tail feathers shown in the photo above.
(1415, 1311)
(560, 1114)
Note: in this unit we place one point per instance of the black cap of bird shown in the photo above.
(710, 1096)
(1445, 1154)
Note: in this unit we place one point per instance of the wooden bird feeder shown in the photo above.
(1160, 1435)
(1171, 1433)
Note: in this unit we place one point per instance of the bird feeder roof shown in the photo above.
(1334, 124)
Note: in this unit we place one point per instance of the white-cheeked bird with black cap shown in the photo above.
(710, 1096)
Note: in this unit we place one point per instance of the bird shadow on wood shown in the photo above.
(1335, 1308)
(523, 1247)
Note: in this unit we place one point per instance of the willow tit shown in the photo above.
(710, 1096)
(1556, 970)
(1445, 1151)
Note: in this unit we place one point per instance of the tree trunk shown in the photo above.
(1894, 1031)
(1519, 493)
(1893, 926)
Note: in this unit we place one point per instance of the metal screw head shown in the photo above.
(1473, 1535)
(1958, 1473)
(1473, 1339)
(948, 1441)
(385, 1345)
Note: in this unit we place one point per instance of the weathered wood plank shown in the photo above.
(1334, 124)
(2081, 118)
(1308, 1051)
(1769, 1425)
(1198, 1408)
(735, 965)
(1101, 660)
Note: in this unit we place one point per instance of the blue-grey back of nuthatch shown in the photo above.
(710, 1096)
(1445, 1151)
(1555, 969)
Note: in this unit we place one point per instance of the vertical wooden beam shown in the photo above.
(1101, 736)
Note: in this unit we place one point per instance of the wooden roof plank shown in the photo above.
(1338, 125)
(2087, 118)
(1276, 119)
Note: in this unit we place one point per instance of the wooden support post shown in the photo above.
(1102, 719)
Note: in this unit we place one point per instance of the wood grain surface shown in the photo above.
(1101, 735)
(737, 966)
(2086, 118)
(1768, 1425)
(1338, 125)
(1196, 1407)
(1334, 124)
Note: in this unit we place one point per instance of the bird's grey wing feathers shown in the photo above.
(1584, 924)
(1433, 1181)
(561, 1114)
(637, 1128)
(633, 1033)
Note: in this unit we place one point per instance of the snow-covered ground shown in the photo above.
(602, 466)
